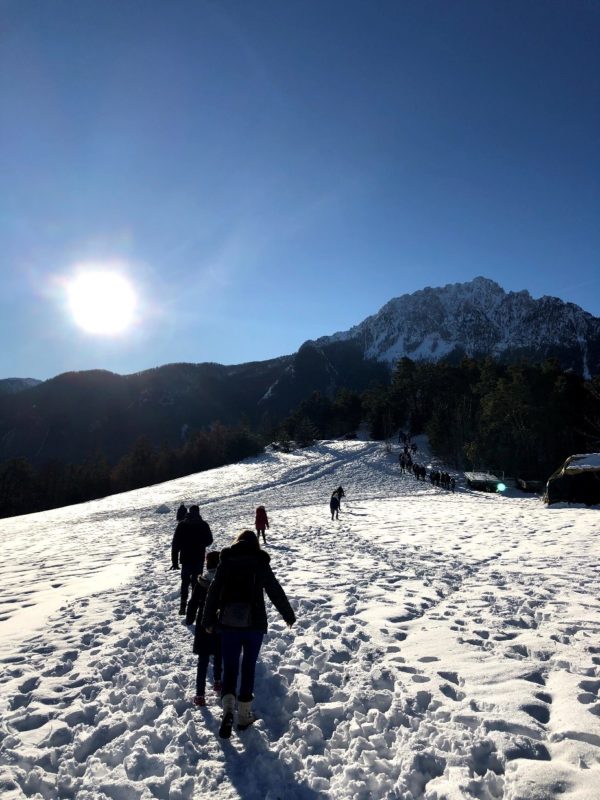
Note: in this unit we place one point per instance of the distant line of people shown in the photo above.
(228, 607)
(443, 479)
(437, 478)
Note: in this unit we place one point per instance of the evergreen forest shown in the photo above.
(521, 420)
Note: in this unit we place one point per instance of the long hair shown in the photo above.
(248, 536)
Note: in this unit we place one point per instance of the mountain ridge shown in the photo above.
(478, 319)
(75, 414)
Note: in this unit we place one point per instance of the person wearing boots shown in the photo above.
(191, 538)
(261, 522)
(205, 644)
(235, 604)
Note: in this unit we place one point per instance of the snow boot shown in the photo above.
(227, 718)
(199, 700)
(245, 715)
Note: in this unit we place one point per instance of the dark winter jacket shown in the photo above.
(261, 521)
(204, 643)
(181, 512)
(191, 538)
(243, 575)
(334, 503)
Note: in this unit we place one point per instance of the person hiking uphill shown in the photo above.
(334, 506)
(235, 605)
(205, 644)
(261, 522)
(191, 538)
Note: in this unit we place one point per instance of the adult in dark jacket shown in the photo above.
(181, 513)
(205, 644)
(334, 506)
(235, 603)
(192, 537)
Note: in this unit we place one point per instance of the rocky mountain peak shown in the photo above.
(478, 318)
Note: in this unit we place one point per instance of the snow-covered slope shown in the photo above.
(447, 645)
(478, 318)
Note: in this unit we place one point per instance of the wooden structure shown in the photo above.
(483, 481)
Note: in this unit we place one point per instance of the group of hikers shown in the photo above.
(437, 478)
(227, 605)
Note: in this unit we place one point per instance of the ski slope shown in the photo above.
(447, 645)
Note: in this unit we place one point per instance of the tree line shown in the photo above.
(25, 489)
(522, 419)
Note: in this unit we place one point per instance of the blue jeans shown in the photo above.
(233, 643)
(202, 668)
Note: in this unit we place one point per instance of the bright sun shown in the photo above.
(102, 302)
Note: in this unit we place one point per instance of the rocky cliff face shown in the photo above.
(478, 319)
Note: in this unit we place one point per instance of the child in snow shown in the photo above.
(261, 522)
(205, 644)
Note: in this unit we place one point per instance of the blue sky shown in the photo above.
(267, 172)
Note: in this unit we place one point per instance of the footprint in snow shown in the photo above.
(535, 677)
(451, 692)
(541, 713)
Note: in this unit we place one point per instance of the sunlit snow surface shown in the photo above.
(447, 646)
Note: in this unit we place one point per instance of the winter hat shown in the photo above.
(249, 537)
(212, 559)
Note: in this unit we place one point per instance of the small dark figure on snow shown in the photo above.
(334, 506)
(452, 484)
(181, 513)
(205, 644)
(340, 493)
(192, 537)
(261, 522)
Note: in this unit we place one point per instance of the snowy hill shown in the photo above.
(15, 385)
(447, 645)
(478, 319)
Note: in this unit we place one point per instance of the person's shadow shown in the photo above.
(256, 771)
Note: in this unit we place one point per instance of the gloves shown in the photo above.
(174, 566)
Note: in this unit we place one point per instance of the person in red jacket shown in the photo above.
(261, 523)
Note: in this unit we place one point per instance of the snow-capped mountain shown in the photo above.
(77, 414)
(14, 385)
(477, 319)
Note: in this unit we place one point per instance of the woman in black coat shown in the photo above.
(235, 603)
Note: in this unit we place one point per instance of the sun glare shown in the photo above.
(102, 302)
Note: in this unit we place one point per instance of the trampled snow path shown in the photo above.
(447, 646)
